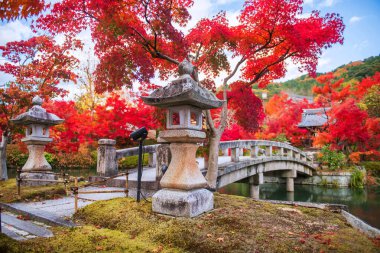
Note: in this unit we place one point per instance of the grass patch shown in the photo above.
(237, 224)
(8, 192)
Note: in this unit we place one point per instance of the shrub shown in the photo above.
(333, 159)
(324, 182)
(73, 161)
(357, 179)
(372, 167)
(132, 162)
(15, 157)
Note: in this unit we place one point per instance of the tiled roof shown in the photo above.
(314, 117)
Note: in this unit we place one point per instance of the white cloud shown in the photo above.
(233, 17)
(355, 19)
(222, 2)
(323, 61)
(292, 71)
(304, 15)
(14, 31)
(327, 3)
(309, 2)
(362, 45)
(200, 9)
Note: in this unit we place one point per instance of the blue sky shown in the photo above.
(361, 36)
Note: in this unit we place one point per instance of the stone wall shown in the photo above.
(339, 179)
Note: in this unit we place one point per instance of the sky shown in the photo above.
(361, 35)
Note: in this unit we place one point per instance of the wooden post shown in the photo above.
(76, 194)
(126, 184)
(18, 183)
(65, 182)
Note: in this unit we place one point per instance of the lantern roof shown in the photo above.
(37, 115)
(183, 91)
(314, 117)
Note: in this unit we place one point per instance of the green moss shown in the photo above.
(131, 162)
(237, 224)
(8, 192)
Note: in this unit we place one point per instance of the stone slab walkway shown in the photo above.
(19, 229)
(64, 207)
(52, 212)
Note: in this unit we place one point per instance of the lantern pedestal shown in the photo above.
(40, 177)
(183, 195)
(36, 165)
(36, 160)
(183, 192)
(37, 123)
(183, 172)
(182, 203)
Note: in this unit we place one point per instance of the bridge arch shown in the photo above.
(265, 156)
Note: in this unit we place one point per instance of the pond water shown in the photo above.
(364, 203)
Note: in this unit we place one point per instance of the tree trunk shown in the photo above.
(212, 171)
(3, 158)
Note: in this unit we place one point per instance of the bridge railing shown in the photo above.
(150, 149)
(108, 156)
(262, 148)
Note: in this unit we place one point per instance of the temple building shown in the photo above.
(313, 120)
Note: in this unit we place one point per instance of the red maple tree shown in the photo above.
(136, 39)
(36, 66)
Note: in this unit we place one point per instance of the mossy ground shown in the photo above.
(237, 224)
(8, 192)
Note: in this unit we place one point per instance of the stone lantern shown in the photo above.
(37, 122)
(183, 184)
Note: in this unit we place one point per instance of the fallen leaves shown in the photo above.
(220, 239)
(23, 217)
(158, 249)
(292, 210)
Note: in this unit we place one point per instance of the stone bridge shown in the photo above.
(238, 160)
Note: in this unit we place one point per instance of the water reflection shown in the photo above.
(365, 203)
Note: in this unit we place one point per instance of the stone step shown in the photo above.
(11, 233)
(26, 225)
(36, 214)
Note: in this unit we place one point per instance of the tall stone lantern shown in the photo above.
(37, 122)
(183, 184)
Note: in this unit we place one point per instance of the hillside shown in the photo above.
(353, 71)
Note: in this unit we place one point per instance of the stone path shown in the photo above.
(20, 229)
(42, 214)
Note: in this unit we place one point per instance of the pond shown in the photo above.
(364, 203)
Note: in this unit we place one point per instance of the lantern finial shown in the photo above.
(37, 100)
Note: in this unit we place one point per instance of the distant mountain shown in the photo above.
(353, 71)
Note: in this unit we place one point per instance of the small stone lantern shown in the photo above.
(183, 184)
(37, 122)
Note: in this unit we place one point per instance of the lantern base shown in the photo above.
(39, 179)
(182, 203)
(36, 160)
